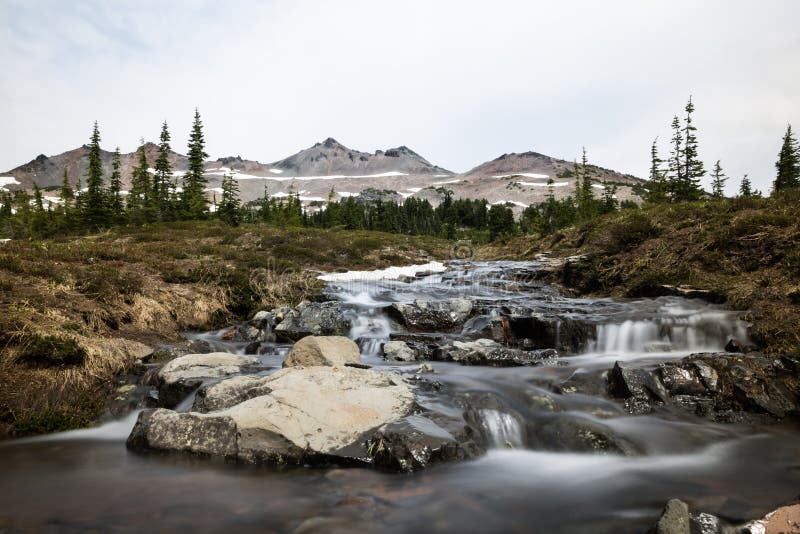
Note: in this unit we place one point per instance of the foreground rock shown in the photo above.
(724, 387)
(311, 319)
(306, 415)
(432, 316)
(179, 377)
(323, 350)
(678, 518)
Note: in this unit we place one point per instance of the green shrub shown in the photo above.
(50, 351)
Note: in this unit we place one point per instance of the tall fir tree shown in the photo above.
(115, 203)
(230, 209)
(67, 194)
(587, 206)
(94, 202)
(657, 188)
(609, 202)
(788, 164)
(194, 200)
(139, 197)
(693, 169)
(675, 164)
(746, 188)
(718, 180)
(163, 183)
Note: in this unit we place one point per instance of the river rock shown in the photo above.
(489, 352)
(181, 376)
(307, 415)
(312, 319)
(674, 519)
(576, 433)
(725, 387)
(323, 350)
(399, 351)
(169, 352)
(432, 316)
(528, 330)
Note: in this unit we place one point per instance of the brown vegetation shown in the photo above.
(746, 251)
(76, 312)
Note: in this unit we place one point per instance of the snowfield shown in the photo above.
(8, 180)
(501, 202)
(390, 273)
(538, 184)
(525, 174)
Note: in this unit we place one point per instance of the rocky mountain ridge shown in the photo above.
(519, 178)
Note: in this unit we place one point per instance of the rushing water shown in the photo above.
(87, 481)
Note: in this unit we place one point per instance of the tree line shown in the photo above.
(159, 194)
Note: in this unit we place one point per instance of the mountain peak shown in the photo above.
(330, 142)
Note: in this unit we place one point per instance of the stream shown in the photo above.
(87, 481)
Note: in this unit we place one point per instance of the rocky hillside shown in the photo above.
(522, 179)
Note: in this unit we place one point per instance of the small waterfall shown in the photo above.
(503, 429)
(370, 330)
(677, 330)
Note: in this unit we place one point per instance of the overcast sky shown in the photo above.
(459, 82)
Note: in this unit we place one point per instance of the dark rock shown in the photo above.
(488, 352)
(165, 353)
(314, 319)
(725, 387)
(640, 388)
(432, 316)
(579, 434)
(415, 441)
(537, 331)
(734, 345)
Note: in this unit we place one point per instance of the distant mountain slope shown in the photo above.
(521, 179)
(330, 158)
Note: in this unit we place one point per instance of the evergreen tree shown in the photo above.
(746, 188)
(718, 180)
(67, 194)
(194, 200)
(115, 187)
(788, 164)
(95, 212)
(501, 221)
(609, 203)
(139, 197)
(162, 179)
(693, 169)
(657, 188)
(229, 209)
(675, 175)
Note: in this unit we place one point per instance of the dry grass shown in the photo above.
(116, 294)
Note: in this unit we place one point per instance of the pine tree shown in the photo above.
(675, 175)
(67, 194)
(95, 212)
(746, 188)
(788, 164)
(194, 200)
(693, 168)
(115, 203)
(139, 205)
(229, 209)
(162, 180)
(609, 198)
(718, 180)
(657, 188)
